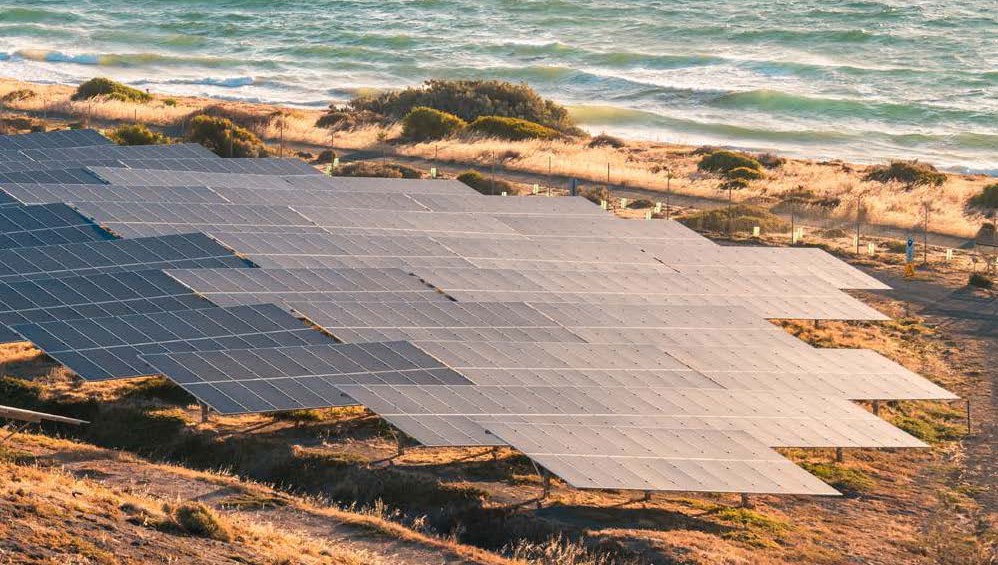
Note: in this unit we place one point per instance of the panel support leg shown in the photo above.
(746, 503)
(205, 416)
(839, 456)
(876, 407)
(969, 428)
(495, 454)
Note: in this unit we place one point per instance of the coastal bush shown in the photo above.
(339, 119)
(980, 280)
(377, 169)
(596, 195)
(743, 217)
(744, 173)
(770, 160)
(248, 117)
(136, 134)
(19, 95)
(486, 185)
(845, 479)
(605, 140)
(512, 129)
(101, 87)
(422, 124)
(723, 162)
(325, 156)
(988, 198)
(911, 174)
(469, 100)
(224, 138)
(640, 204)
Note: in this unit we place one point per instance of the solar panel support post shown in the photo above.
(14, 430)
(969, 428)
(839, 456)
(746, 502)
(876, 407)
(205, 413)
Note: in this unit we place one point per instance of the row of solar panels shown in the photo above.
(622, 354)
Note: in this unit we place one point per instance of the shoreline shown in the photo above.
(833, 186)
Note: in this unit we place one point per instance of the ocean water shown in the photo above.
(862, 80)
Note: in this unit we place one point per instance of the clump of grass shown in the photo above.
(101, 87)
(170, 102)
(724, 162)
(596, 195)
(640, 203)
(606, 140)
(486, 185)
(754, 528)
(843, 478)
(197, 519)
(513, 129)
(743, 218)
(980, 280)
(136, 134)
(928, 429)
(298, 416)
(377, 169)
(744, 173)
(225, 138)
(987, 199)
(559, 550)
(770, 160)
(19, 95)
(159, 388)
(910, 174)
(423, 124)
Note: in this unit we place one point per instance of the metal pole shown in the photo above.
(608, 175)
(925, 236)
(858, 212)
(746, 503)
(493, 179)
(282, 136)
(839, 457)
(793, 232)
(969, 428)
(876, 407)
(668, 194)
(204, 413)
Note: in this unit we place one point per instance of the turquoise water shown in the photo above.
(860, 80)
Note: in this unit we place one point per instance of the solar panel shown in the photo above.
(282, 196)
(273, 176)
(290, 378)
(57, 176)
(769, 297)
(56, 261)
(91, 296)
(247, 286)
(453, 415)
(335, 245)
(386, 222)
(112, 152)
(109, 348)
(606, 227)
(632, 458)
(70, 193)
(151, 168)
(53, 139)
(432, 321)
(383, 185)
(766, 261)
(144, 218)
(498, 205)
(49, 224)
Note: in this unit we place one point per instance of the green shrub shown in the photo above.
(325, 156)
(980, 280)
(469, 100)
(107, 88)
(18, 95)
(604, 140)
(136, 134)
(225, 138)
(640, 203)
(908, 173)
(722, 162)
(843, 478)
(743, 218)
(377, 169)
(596, 195)
(422, 124)
(988, 198)
(928, 430)
(486, 185)
(744, 173)
(513, 129)
(197, 519)
(169, 101)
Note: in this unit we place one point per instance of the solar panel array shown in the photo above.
(614, 353)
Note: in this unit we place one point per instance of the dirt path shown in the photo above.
(971, 316)
(263, 505)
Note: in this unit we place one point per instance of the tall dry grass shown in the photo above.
(637, 165)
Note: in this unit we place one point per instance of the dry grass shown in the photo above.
(639, 165)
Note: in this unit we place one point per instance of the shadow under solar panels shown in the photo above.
(109, 348)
